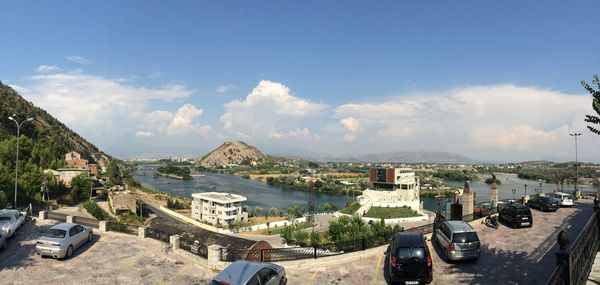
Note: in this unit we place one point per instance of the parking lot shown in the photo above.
(111, 258)
(509, 256)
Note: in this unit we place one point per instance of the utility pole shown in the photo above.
(576, 188)
(14, 119)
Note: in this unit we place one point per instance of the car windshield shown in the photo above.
(567, 197)
(55, 233)
(465, 237)
(523, 211)
(406, 253)
(4, 218)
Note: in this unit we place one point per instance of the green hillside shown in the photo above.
(42, 145)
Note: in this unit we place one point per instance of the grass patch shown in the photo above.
(131, 219)
(277, 230)
(391, 213)
(350, 210)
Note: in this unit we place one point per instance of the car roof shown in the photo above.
(518, 206)
(8, 211)
(460, 226)
(409, 239)
(241, 271)
(63, 226)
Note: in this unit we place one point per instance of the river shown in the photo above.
(265, 196)
(511, 181)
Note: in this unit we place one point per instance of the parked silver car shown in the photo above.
(61, 240)
(251, 273)
(458, 240)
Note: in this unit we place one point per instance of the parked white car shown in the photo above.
(10, 221)
(564, 199)
(61, 240)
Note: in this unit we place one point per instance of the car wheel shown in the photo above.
(69, 251)
(446, 255)
(90, 236)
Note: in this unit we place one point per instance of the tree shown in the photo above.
(595, 104)
(287, 234)
(81, 186)
(3, 200)
(113, 173)
(294, 211)
(273, 212)
(257, 211)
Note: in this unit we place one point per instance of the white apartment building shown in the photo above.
(218, 208)
(394, 187)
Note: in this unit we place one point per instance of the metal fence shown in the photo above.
(574, 261)
(57, 216)
(193, 247)
(87, 222)
(158, 235)
(122, 228)
(321, 250)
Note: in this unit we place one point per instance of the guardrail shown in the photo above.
(86, 221)
(193, 247)
(57, 217)
(158, 235)
(122, 228)
(574, 261)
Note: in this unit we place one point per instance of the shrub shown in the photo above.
(95, 211)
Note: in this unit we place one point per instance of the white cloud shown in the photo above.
(184, 121)
(468, 120)
(270, 110)
(143, 134)
(47, 69)
(107, 110)
(78, 59)
(225, 88)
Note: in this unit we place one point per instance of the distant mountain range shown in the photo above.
(393, 157)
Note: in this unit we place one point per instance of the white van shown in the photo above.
(564, 199)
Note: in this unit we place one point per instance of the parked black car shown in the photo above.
(408, 259)
(516, 215)
(544, 203)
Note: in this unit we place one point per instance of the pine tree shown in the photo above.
(595, 103)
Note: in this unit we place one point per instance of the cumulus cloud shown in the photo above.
(106, 110)
(47, 69)
(498, 117)
(184, 121)
(78, 59)
(270, 110)
(225, 88)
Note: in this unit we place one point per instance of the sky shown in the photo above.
(496, 81)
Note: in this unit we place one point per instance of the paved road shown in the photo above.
(111, 258)
(510, 256)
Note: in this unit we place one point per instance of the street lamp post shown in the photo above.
(14, 119)
(514, 191)
(525, 189)
(540, 187)
(576, 164)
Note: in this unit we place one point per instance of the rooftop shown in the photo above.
(219, 196)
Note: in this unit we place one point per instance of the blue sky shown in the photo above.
(353, 77)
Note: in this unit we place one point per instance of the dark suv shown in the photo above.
(408, 259)
(544, 203)
(516, 215)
